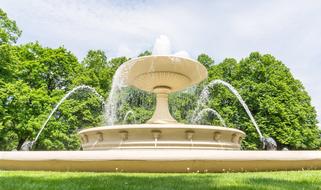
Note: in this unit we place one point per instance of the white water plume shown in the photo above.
(130, 112)
(205, 96)
(28, 145)
(201, 114)
(162, 46)
(118, 83)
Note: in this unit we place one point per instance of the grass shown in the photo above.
(34, 180)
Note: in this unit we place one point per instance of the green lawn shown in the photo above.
(84, 180)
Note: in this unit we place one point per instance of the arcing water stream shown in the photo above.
(28, 144)
(201, 113)
(130, 112)
(205, 96)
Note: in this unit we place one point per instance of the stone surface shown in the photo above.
(162, 160)
(161, 136)
(175, 73)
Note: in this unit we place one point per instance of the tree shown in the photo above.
(96, 60)
(278, 101)
(7, 66)
(206, 60)
(38, 78)
(22, 111)
(145, 53)
(141, 103)
(98, 71)
(46, 67)
(9, 32)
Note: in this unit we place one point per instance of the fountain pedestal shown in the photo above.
(161, 114)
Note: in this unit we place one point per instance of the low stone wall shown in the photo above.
(161, 160)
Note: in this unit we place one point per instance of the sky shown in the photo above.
(290, 30)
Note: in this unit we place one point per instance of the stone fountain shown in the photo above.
(162, 75)
(162, 144)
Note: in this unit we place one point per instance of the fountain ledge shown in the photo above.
(161, 136)
(160, 160)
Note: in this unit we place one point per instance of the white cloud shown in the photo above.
(287, 29)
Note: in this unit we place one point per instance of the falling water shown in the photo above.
(205, 95)
(118, 83)
(201, 113)
(28, 144)
(162, 46)
(130, 112)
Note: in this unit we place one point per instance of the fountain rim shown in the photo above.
(160, 126)
(164, 55)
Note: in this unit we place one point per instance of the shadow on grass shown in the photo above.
(79, 181)
(272, 183)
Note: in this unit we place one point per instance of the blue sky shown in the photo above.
(288, 29)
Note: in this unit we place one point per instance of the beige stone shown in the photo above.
(161, 160)
(162, 136)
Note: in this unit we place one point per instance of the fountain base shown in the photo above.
(161, 136)
(162, 160)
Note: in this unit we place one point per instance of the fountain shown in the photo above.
(162, 75)
(162, 144)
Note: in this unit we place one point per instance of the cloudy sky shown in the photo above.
(288, 29)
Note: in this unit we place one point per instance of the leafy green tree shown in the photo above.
(9, 31)
(114, 63)
(145, 53)
(141, 103)
(206, 60)
(7, 66)
(182, 104)
(98, 71)
(46, 67)
(81, 110)
(38, 78)
(278, 101)
(22, 112)
(96, 60)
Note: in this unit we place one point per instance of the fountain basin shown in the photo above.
(161, 136)
(162, 160)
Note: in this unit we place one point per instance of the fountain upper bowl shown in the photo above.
(171, 72)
